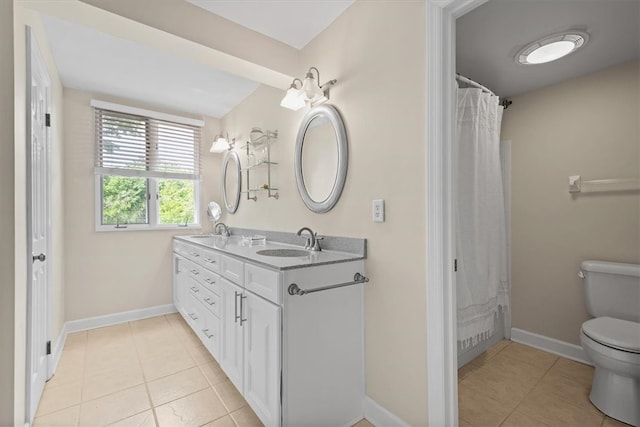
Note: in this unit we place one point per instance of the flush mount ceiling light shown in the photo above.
(309, 91)
(552, 47)
(221, 144)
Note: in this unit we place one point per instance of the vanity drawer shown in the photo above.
(210, 332)
(180, 248)
(263, 282)
(232, 269)
(194, 288)
(210, 301)
(195, 271)
(210, 260)
(194, 310)
(192, 253)
(209, 280)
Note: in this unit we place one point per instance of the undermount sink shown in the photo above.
(285, 253)
(202, 236)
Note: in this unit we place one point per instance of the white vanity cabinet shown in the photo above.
(250, 339)
(295, 358)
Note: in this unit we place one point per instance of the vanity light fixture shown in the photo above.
(309, 91)
(552, 47)
(221, 144)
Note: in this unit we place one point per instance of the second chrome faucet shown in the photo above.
(313, 241)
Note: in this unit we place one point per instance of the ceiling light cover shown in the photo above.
(552, 47)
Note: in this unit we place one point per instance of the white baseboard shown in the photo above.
(551, 345)
(380, 416)
(115, 318)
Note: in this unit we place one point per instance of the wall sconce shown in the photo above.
(309, 91)
(221, 144)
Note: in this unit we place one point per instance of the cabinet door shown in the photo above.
(180, 279)
(231, 354)
(262, 352)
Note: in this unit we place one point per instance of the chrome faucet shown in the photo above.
(313, 241)
(225, 230)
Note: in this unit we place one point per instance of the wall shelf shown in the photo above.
(259, 157)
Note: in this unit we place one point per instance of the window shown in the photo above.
(147, 169)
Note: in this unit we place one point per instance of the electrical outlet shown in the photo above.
(378, 211)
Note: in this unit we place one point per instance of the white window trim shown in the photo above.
(152, 211)
(152, 192)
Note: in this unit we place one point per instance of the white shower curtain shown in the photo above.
(482, 280)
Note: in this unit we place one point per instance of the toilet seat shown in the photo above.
(619, 334)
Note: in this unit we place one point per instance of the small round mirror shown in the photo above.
(231, 181)
(321, 158)
(214, 212)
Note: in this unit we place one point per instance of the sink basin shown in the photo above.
(201, 236)
(285, 253)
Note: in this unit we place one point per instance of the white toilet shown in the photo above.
(612, 339)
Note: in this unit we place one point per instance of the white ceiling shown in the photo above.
(294, 22)
(489, 37)
(97, 62)
(91, 60)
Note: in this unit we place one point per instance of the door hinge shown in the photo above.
(48, 347)
(47, 120)
(455, 265)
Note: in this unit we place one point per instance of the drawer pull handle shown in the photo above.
(210, 261)
(206, 333)
(209, 281)
(208, 301)
(195, 272)
(195, 254)
(193, 316)
(194, 289)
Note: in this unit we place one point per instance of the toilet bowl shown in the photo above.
(611, 340)
(613, 345)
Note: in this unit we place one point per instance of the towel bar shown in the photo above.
(358, 278)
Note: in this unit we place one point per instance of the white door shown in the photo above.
(231, 354)
(262, 358)
(38, 224)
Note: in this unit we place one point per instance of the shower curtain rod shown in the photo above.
(503, 101)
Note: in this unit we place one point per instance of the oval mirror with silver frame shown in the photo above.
(321, 158)
(231, 181)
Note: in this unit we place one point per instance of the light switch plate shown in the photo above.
(378, 211)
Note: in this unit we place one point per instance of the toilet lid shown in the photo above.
(617, 333)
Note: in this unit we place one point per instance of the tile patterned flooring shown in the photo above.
(513, 385)
(152, 372)
(155, 372)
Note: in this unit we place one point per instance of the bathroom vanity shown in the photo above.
(293, 349)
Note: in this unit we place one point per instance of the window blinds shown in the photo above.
(134, 145)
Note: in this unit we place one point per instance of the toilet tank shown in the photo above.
(612, 289)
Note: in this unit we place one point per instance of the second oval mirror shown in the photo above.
(231, 181)
(321, 158)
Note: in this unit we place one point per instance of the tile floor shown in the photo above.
(144, 373)
(513, 385)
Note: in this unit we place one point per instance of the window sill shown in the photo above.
(146, 227)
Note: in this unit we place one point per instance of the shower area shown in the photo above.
(482, 228)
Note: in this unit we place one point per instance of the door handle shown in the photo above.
(40, 257)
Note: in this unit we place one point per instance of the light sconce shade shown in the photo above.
(294, 99)
(309, 91)
(552, 47)
(221, 144)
